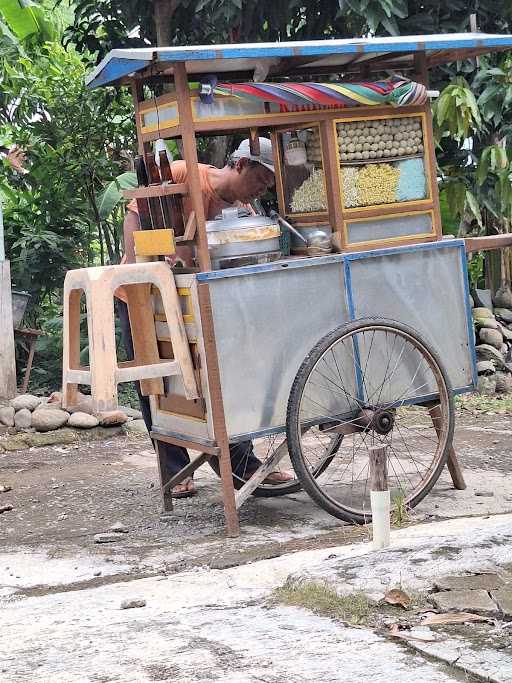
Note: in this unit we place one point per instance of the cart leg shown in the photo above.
(455, 470)
(453, 462)
(228, 493)
(165, 478)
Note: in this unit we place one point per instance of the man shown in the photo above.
(243, 179)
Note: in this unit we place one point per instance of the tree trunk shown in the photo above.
(163, 13)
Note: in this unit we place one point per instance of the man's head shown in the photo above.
(254, 174)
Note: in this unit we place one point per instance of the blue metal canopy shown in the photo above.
(260, 60)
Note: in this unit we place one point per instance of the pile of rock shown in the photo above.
(493, 332)
(28, 413)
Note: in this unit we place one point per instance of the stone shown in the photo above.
(488, 352)
(505, 332)
(503, 382)
(58, 436)
(5, 508)
(131, 603)
(25, 401)
(484, 298)
(477, 601)
(55, 397)
(485, 367)
(492, 337)
(107, 537)
(484, 494)
(131, 412)
(482, 313)
(487, 322)
(118, 528)
(23, 419)
(83, 406)
(5, 488)
(136, 427)
(7, 416)
(112, 417)
(503, 297)
(503, 596)
(486, 385)
(486, 582)
(47, 420)
(97, 433)
(83, 421)
(504, 314)
(97, 572)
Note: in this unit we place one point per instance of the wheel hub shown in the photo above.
(376, 420)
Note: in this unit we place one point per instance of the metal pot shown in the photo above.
(237, 233)
(318, 238)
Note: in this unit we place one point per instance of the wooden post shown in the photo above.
(380, 497)
(332, 178)
(7, 355)
(421, 68)
(190, 154)
(219, 421)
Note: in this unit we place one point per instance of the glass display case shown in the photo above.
(382, 161)
(302, 172)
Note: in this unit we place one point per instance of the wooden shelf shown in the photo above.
(382, 160)
(156, 191)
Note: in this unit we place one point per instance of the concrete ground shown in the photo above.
(208, 615)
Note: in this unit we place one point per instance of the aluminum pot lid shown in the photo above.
(238, 218)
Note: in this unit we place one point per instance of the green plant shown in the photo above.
(320, 599)
(399, 509)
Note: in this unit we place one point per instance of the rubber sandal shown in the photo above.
(184, 492)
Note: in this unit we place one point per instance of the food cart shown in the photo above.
(359, 338)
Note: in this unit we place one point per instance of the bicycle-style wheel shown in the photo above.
(372, 382)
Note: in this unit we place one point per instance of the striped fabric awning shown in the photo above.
(396, 91)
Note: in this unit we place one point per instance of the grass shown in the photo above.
(324, 601)
(399, 510)
(478, 403)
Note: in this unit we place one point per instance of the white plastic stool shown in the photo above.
(104, 372)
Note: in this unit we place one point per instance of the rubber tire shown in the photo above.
(292, 418)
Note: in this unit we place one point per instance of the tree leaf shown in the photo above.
(473, 207)
(112, 194)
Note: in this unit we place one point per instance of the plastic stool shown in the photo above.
(104, 372)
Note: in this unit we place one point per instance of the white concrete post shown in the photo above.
(7, 355)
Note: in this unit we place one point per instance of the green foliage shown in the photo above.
(112, 194)
(456, 111)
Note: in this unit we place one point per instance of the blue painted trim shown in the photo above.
(349, 296)
(469, 316)
(116, 69)
(463, 390)
(104, 75)
(440, 244)
(324, 260)
(268, 267)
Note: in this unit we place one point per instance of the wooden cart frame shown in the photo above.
(412, 56)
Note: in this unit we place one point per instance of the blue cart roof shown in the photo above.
(294, 58)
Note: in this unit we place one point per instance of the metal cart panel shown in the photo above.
(265, 324)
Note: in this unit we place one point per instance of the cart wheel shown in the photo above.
(263, 448)
(373, 382)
